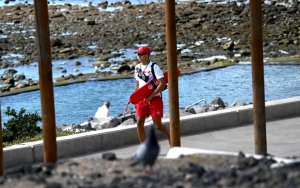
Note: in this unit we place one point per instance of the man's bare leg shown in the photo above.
(161, 127)
(140, 128)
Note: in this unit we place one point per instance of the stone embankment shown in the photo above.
(129, 118)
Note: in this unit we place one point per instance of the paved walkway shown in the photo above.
(283, 140)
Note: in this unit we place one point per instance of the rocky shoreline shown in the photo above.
(203, 30)
(129, 117)
(201, 170)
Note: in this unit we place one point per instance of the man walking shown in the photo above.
(152, 105)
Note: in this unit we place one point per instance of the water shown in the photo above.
(31, 70)
(78, 102)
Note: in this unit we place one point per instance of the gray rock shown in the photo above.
(90, 22)
(218, 102)
(238, 103)
(191, 110)
(21, 85)
(20, 77)
(114, 122)
(103, 123)
(201, 109)
(228, 46)
(30, 82)
(57, 15)
(102, 64)
(245, 52)
(182, 112)
(10, 81)
(128, 122)
(56, 42)
(9, 73)
(103, 5)
(105, 57)
(76, 63)
(65, 50)
(122, 118)
(70, 76)
(124, 68)
(109, 156)
(6, 87)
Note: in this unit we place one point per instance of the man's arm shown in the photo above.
(160, 87)
(136, 88)
(136, 85)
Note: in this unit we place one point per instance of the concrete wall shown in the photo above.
(83, 143)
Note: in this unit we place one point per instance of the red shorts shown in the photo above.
(155, 108)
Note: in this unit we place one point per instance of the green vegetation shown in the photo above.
(23, 127)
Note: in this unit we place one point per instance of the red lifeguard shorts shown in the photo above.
(155, 108)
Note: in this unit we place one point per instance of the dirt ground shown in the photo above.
(186, 172)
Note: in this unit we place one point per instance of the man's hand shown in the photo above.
(148, 99)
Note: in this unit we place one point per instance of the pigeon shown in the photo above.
(147, 151)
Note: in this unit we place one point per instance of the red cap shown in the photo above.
(143, 50)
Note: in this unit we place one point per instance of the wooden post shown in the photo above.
(172, 70)
(1, 145)
(259, 115)
(46, 80)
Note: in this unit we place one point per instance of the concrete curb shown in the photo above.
(177, 152)
(83, 143)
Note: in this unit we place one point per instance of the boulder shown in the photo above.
(201, 109)
(238, 103)
(182, 112)
(102, 64)
(76, 63)
(218, 102)
(228, 46)
(6, 87)
(103, 123)
(21, 85)
(191, 110)
(57, 15)
(123, 68)
(9, 73)
(130, 117)
(20, 77)
(90, 22)
(103, 5)
(245, 52)
(56, 42)
(70, 76)
(128, 122)
(10, 81)
(65, 50)
(106, 57)
(32, 83)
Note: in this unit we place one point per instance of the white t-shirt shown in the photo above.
(146, 69)
(102, 112)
